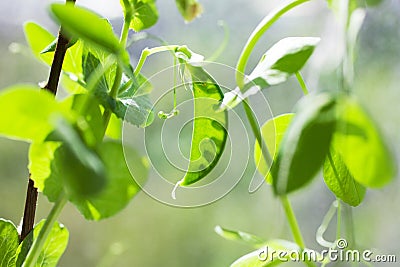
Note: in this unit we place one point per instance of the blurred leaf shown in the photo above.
(361, 146)
(71, 84)
(43, 170)
(283, 59)
(53, 248)
(38, 39)
(246, 238)
(144, 14)
(30, 113)
(90, 123)
(81, 168)
(114, 129)
(121, 187)
(85, 24)
(272, 132)
(340, 181)
(209, 126)
(73, 59)
(305, 144)
(9, 241)
(265, 256)
(189, 9)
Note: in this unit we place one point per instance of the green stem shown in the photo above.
(261, 28)
(113, 93)
(118, 74)
(302, 83)
(292, 221)
(256, 131)
(38, 243)
(149, 51)
(294, 226)
(267, 157)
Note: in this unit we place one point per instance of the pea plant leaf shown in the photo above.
(272, 133)
(282, 60)
(114, 129)
(189, 9)
(45, 168)
(38, 38)
(135, 86)
(132, 103)
(9, 241)
(361, 146)
(42, 42)
(90, 122)
(340, 181)
(53, 248)
(264, 256)
(305, 144)
(90, 64)
(35, 110)
(90, 27)
(136, 110)
(240, 236)
(121, 186)
(209, 127)
(82, 170)
(144, 15)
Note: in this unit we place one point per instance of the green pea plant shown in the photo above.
(328, 129)
(76, 154)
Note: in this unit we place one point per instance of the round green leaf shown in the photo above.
(43, 170)
(361, 146)
(85, 24)
(38, 38)
(305, 144)
(30, 113)
(83, 176)
(272, 132)
(120, 185)
(144, 14)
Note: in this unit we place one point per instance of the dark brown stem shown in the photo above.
(28, 220)
(30, 210)
(56, 66)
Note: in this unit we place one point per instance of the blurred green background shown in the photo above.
(148, 233)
